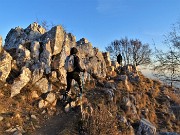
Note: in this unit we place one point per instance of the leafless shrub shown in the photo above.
(101, 122)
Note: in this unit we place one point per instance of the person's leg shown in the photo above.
(68, 80)
(78, 80)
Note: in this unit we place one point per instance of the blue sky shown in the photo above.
(100, 21)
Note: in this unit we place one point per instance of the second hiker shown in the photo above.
(72, 65)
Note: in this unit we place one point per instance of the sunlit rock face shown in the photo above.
(18, 35)
(44, 53)
(92, 58)
(5, 63)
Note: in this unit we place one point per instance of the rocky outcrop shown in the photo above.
(92, 58)
(18, 35)
(44, 54)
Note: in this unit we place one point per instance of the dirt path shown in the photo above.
(62, 124)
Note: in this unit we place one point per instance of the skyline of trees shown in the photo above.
(132, 51)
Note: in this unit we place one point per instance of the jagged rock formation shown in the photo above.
(44, 53)
(116, 99)
(20, 36)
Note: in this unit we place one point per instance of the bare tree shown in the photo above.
(167, 63)
(132, 51)
(141, 53)
(126, 50)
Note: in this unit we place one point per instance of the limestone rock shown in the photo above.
(33, 117)
(67, 108)
(19, 35)
(107, 59)
(11, 130)
(56, 36)
(5, 65)
(34, 94)
(146, 127)
(35, 29)
(21, 81)
(42, 104)
(168, 133)
(22, 56)
(85, 48)
(42, 85)
(45, 57)
(91, 58)
(82, 41)
(53, 76)
(51, 97)
(35, 50)
(36, 74)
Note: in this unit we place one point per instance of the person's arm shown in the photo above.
(77, 64)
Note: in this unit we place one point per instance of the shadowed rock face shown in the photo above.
(44, 53)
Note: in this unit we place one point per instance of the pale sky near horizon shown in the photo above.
(100, 21)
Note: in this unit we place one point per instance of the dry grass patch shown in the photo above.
(173, 96)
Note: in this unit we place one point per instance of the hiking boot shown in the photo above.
(65, 95)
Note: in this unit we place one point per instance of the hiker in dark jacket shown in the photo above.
(119, 59)
(75, 74)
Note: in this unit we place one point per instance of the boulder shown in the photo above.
(21, 81)
(91, 58)
(107, 59)
(22, 56)
(56, 36)
(146, 128)
(5, 65)
(35, 50)
(42, 85)
(42, 103)
(167, 133)
(45, 57)
(37, 74)
(51, 97)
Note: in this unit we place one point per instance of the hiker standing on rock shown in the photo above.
(119, 59)
(73, 68)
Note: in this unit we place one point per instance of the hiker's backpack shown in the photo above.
(69, 63)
